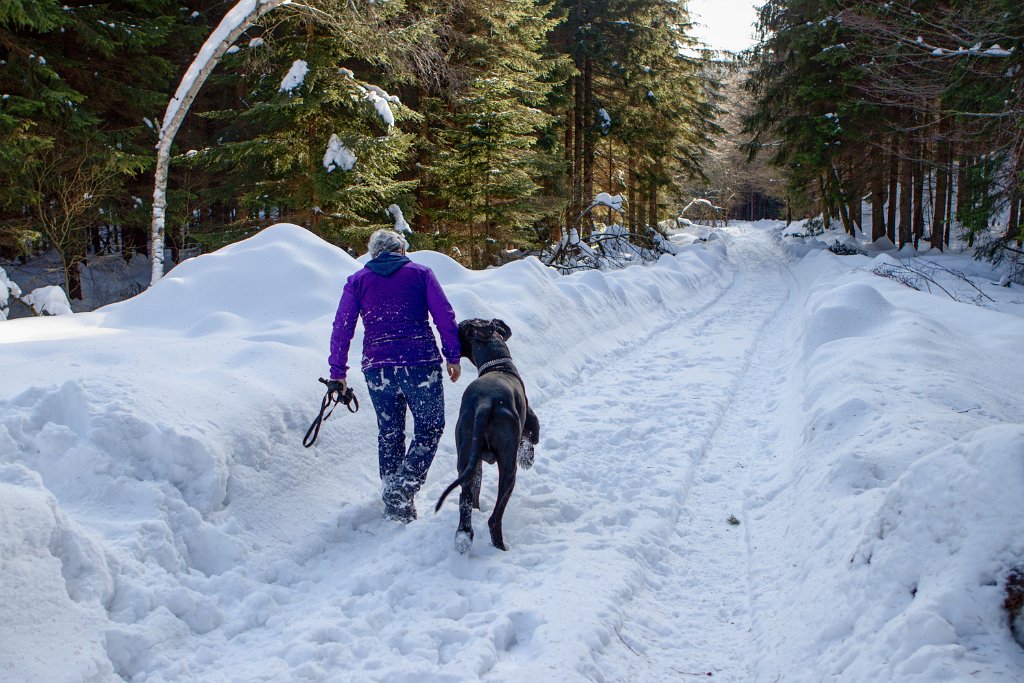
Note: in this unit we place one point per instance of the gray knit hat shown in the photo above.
(386, 240)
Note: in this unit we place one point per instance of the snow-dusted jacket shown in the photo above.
(393, 295)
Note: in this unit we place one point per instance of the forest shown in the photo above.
(490, 128)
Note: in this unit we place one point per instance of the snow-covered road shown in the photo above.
(724, 488)
(624, 566)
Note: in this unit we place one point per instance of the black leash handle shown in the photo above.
(327, 405)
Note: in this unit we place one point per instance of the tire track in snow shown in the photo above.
(693, 617)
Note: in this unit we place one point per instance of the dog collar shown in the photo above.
(491, 363)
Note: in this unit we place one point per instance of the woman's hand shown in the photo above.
(454, 371)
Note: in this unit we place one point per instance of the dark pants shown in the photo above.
(392, 389)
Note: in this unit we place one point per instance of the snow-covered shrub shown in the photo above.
(49, 300)
(814, 226)
(842, 249)
(8, 289)
(607, 249)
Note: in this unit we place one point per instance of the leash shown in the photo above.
(327, 405)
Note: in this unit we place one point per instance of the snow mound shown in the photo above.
(941, 554)
(850, 310)
(284, 272)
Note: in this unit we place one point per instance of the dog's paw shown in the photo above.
(526, 455)
(462, 542)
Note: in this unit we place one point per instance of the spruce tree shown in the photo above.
(79, 83)
(483, 133)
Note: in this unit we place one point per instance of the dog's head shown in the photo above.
(477, 330)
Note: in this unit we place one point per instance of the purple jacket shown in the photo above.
(393, 295)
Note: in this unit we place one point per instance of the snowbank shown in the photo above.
(898, 508)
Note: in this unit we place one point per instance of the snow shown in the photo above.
(295, 76)
(8, 289)
(160, 520)
(49, 300)
(381, 102)
(401, 225)
(611, 201)
(338, 156)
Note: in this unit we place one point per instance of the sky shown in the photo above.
(744, 470)
(724, 24)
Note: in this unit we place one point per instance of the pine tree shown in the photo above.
(483, 134)
(78, 84)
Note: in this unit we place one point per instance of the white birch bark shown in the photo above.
(243, 15)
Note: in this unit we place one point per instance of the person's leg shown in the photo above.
(424, 391)
(390, 404)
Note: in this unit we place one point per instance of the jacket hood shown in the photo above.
(388, 263)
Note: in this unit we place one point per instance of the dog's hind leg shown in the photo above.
(478, 480)
(464, 534)
(469, 498)
(506, 483)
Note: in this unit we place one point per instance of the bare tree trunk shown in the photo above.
(1013, 224)
(826, 218)
(918, 200)
(631, 193)
(894, 169)
(877, 201)
(579, 128)
(641, 206)
(948, 228)
(906, 208)
(652, 207)
(941, 190)
(963, 198)
(588, 140)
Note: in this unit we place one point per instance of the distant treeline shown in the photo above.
(914, 106)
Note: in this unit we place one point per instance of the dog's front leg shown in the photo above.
(530, 437)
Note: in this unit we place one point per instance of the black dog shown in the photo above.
(495, 425)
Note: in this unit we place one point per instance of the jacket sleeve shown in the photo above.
(444, 319)
(344, 328)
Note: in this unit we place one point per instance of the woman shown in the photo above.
(401, 362)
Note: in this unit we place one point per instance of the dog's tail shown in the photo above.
(476, 444)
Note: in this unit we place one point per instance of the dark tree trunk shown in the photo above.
(652, 206)
(918, 203)
(588, 140)
(1013, 224)
(877, 202)
(906, 234)
(963, 194)
(579, 127)
(894, 170)
(941, 190)
(631, 194)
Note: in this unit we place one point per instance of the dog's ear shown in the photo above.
(476, 329)
(503, 330)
